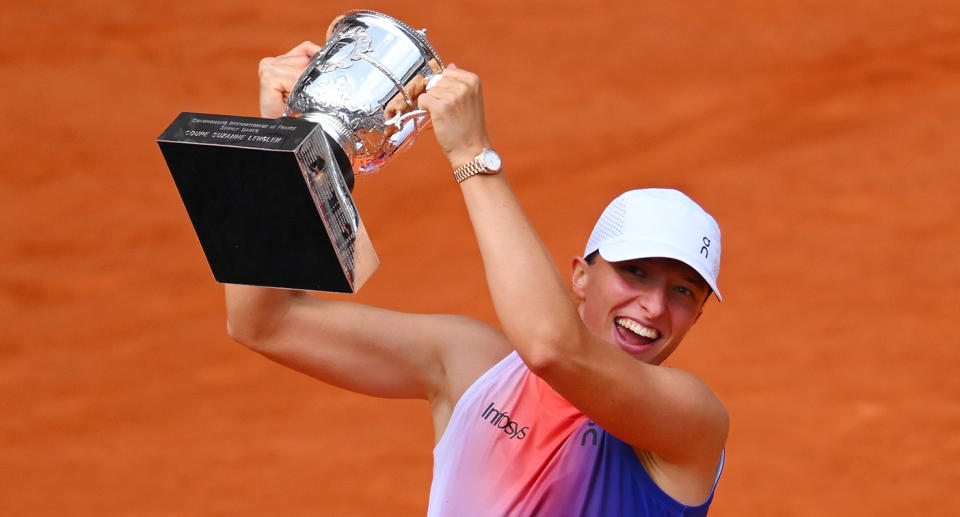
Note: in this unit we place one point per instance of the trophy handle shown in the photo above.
(399, 119)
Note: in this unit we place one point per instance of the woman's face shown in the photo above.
(644, 306)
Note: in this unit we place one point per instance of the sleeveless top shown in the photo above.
(515, 447)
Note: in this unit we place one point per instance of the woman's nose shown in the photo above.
(654, 300)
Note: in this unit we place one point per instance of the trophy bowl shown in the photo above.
(361, 88)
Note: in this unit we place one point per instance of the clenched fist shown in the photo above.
(455, 104)
(278, 76)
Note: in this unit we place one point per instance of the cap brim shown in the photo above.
(618, 251)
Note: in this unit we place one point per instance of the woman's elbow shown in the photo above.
(248, 332)
(550, 352)
(255, 313)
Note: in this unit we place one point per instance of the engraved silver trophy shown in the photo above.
(270, 199)
(361, 87)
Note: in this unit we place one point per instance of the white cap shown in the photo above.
(657, 222)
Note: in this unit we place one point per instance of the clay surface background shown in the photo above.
(822, 135)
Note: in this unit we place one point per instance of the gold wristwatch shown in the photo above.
(487, 162)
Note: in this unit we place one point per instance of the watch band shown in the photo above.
(473, 167)
(469, 169)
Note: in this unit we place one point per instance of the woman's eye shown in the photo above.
(684, 291)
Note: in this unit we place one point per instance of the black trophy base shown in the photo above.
(268, 202)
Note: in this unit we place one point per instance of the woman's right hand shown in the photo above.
(278, 75)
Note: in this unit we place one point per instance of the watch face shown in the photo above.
(491, 160)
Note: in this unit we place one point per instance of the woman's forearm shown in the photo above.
(532, 302)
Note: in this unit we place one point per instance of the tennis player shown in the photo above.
(564, 409)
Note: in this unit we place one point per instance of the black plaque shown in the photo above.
(269, 202)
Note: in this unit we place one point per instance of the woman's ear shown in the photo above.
(579, 276)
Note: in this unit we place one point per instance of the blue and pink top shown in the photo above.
(515, 447)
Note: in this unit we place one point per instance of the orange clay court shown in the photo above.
(822, 135)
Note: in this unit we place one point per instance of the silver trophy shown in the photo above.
(362, 85)
(270, 199)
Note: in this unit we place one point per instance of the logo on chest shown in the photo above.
(501, 420)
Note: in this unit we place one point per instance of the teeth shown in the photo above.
(637, 328)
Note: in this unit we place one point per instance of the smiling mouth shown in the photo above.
(638, 329)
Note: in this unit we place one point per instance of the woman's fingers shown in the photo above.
(279, 74)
